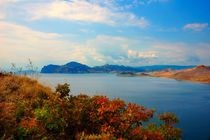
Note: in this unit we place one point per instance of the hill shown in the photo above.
(196, 74)
(75, 67)
(71, 67)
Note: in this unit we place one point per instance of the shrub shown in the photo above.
(63, 89)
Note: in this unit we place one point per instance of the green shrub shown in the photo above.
(50, 119)
(42, 114)
(21, 133)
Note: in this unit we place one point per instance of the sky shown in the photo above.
(98, 32)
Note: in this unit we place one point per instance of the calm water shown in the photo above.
(190, 101)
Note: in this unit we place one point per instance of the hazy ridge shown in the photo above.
(75, 67)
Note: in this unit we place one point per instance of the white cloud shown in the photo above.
(2, 12)
(2, 15)
(9, 1)
(148, 54)
(84, 11)
(7, 28)
(183, 53)
(135, 21)
(5, 6)
(122, 50)
(128, 4)
(18, 43)
(196, 26)
(75, 11)
(152, 1)
(111, 49)
(202, 51)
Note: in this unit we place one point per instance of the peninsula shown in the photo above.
(197, 74)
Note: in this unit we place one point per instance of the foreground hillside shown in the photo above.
(196, 74)
(29, 110)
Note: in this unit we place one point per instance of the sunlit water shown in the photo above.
(190, 101)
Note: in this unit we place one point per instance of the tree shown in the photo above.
(63, 89)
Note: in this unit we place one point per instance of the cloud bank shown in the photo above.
(84, 11)
(20, 43)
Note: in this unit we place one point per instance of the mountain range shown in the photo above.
(75, 67)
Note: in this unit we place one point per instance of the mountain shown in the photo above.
(116, 68)
(197, 74)
(75, 67)
(72, 67)
(50, 69)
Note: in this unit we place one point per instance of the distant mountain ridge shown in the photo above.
(75, 67)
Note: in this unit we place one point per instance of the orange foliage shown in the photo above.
(28, 123)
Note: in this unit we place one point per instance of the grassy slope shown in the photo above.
(17, 92)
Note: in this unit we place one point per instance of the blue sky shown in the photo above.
(97, 32)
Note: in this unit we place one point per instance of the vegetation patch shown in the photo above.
(29, 110)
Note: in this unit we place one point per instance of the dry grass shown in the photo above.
(17, 91)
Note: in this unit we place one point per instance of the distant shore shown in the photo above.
(199, 74)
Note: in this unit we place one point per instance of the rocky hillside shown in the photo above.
(196, 74)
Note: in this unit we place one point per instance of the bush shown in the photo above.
(63, 90)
